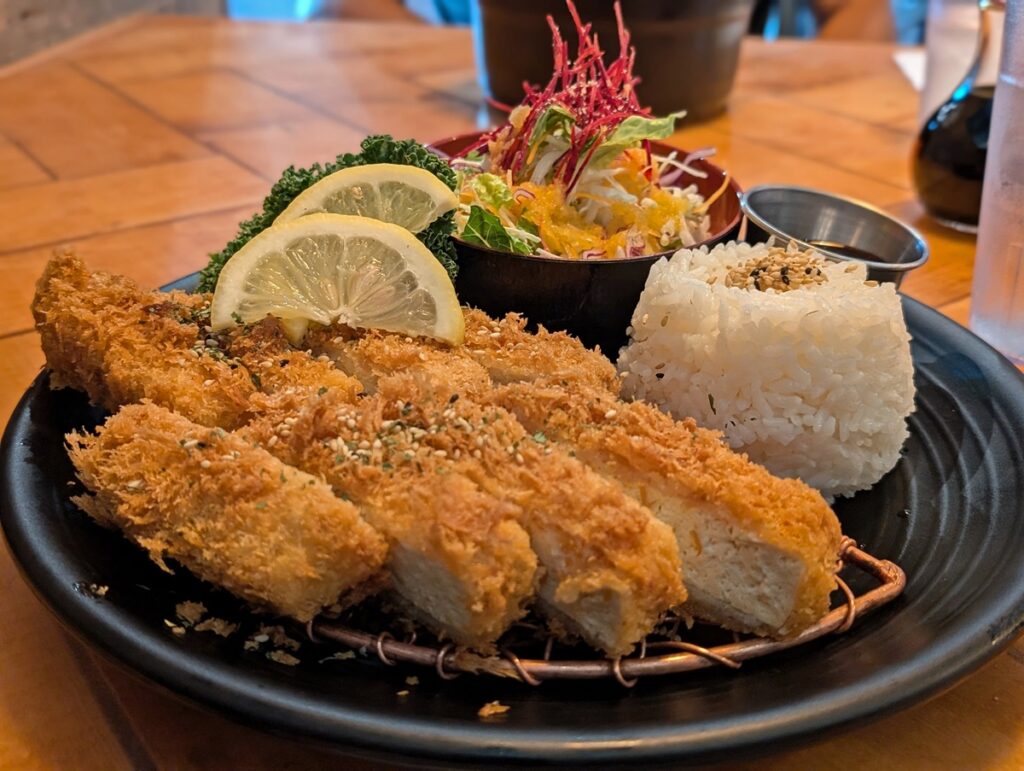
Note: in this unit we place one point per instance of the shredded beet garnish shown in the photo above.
(598, 97)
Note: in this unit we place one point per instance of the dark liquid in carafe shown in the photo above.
(949, 160)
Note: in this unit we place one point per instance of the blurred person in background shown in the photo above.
(899, 21)
(881, 20)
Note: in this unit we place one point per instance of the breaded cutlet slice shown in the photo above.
(510, 354)
(371, 355)
(103, 335)
(229, 512)
(495, 351)
(610, 569)
(458, 556)
(758, 552)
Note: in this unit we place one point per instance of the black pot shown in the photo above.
(591, 299)
(686, 50)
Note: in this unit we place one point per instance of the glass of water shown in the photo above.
(997, 297)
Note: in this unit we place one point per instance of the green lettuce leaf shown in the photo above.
(528, 226)
(632, 131)
(492, 190)
(485, 229)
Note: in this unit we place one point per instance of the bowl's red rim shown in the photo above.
(713, 238)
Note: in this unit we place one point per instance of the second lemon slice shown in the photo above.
(331, 267)
(407, 196)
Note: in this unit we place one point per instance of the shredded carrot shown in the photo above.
(714, 196)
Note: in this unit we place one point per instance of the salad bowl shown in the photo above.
(591, 299)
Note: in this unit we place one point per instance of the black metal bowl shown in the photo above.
(591, 299)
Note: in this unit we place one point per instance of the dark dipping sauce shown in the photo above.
(845, 250)
(949, 159)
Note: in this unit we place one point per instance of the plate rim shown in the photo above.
(274, 706)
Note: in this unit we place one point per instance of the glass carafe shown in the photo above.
(949, 158)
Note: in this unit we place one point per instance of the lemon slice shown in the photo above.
(391, 192)
(332, 267)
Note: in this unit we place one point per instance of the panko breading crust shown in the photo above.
(444, 524)
(103, 335)
(495, 351)
(231, 513)
(511, 354)
(276, 366)
(599, 532)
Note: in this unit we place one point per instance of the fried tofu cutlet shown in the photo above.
(459, 559)
(758, 552)
(103, 335)
(231, 513)
(610, 569)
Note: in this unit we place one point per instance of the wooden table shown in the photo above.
(146, 142)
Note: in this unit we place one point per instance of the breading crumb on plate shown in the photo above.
(190, 612)
(277, 635)
(281, 657)
(339, 656)
(218, 626)
(177, 630)
(492, 709)
(97, 590)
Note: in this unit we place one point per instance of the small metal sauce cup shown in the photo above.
(840, 228)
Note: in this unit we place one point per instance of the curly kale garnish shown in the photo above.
(375, 149)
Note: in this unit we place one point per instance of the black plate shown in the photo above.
(950, 514)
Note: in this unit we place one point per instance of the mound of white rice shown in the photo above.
(815, 382)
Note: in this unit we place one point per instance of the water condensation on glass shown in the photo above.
(997, 297)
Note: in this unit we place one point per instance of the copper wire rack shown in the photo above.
(658, 654)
